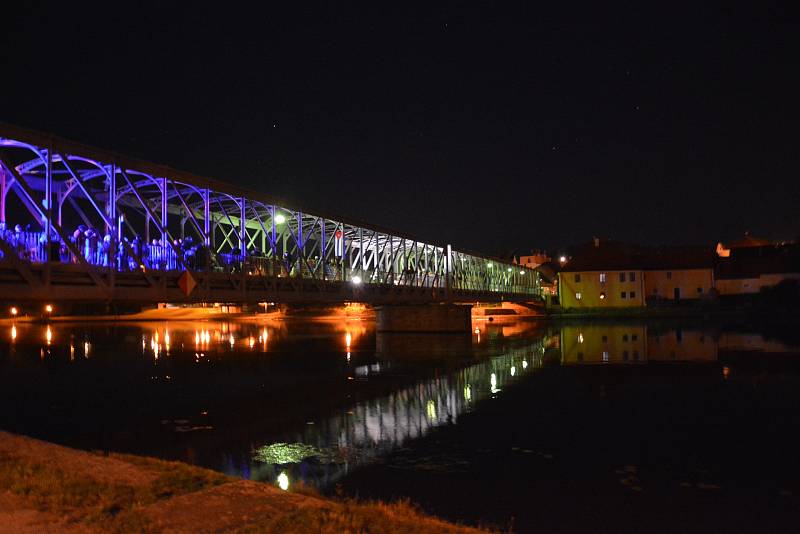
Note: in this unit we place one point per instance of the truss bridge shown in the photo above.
(83, 224)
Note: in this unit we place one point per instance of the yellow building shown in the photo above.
(601, 289)
(612, 275)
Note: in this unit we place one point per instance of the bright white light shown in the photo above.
(509, 269)
(14, 310)
(513, 370)
(280, 219)
(49, 308)
(356, 280)
(524, 364)
(522, 272)
(563, 259)
(489, 265)
(283, 481)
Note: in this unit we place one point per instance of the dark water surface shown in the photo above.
(603, 427)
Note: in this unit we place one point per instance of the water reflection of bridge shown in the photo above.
(371, 429)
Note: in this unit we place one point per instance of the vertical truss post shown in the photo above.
(3, 192)
(48, 204)
(207, 217)
(242, 228)
(164, 211)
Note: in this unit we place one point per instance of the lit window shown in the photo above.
(621, 277)
(577, 296)
(602, 278)
(632, 277)
(605, 355)
(602, 295)
(622, 294)
(633, 294)
(578, 278)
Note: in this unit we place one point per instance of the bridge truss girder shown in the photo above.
(57, 183)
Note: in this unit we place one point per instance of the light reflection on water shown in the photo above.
(364, 430)
(327, 450)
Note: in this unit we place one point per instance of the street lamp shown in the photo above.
(280, 219)
(48, 308)
(14, 311)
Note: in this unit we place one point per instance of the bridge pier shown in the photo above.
(425, 318)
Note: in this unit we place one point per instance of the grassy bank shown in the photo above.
(52, 488)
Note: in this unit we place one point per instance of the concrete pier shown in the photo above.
(425, 318)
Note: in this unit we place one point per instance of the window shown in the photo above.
(605, 339)
(632, 277)
(578, 278)
(634, 337)
(625, 355)
(621, 277)
(580, 356)
(605, 355)
(577, 296)
(633, 294)
(622, 294)
(669, 275)
(636, 355)
(699, 290)
(655, 291)
(602, 295)
(602, 278)
(624, 337)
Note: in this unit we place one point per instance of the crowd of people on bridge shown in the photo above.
(87, 245)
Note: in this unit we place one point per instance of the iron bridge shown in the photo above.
(82, 224)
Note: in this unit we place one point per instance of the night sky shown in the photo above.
(494, 129)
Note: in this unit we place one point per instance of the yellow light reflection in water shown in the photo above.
(251, 342)
(232, 341)
(283, 481)
(348, 338)
(467, 392)
(86, 349)
(430, 408)
(196, 337)
(13, 332)
(48, 335)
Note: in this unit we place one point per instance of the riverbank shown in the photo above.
(50, 488)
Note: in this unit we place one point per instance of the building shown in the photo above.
(673, 274)
(536, 258)
(609, 274)
(602, 275)
(748, 274)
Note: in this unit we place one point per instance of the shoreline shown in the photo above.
(49, 487)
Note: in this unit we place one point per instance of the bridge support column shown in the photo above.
(428, 318)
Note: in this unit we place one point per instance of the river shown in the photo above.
(522, 424)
